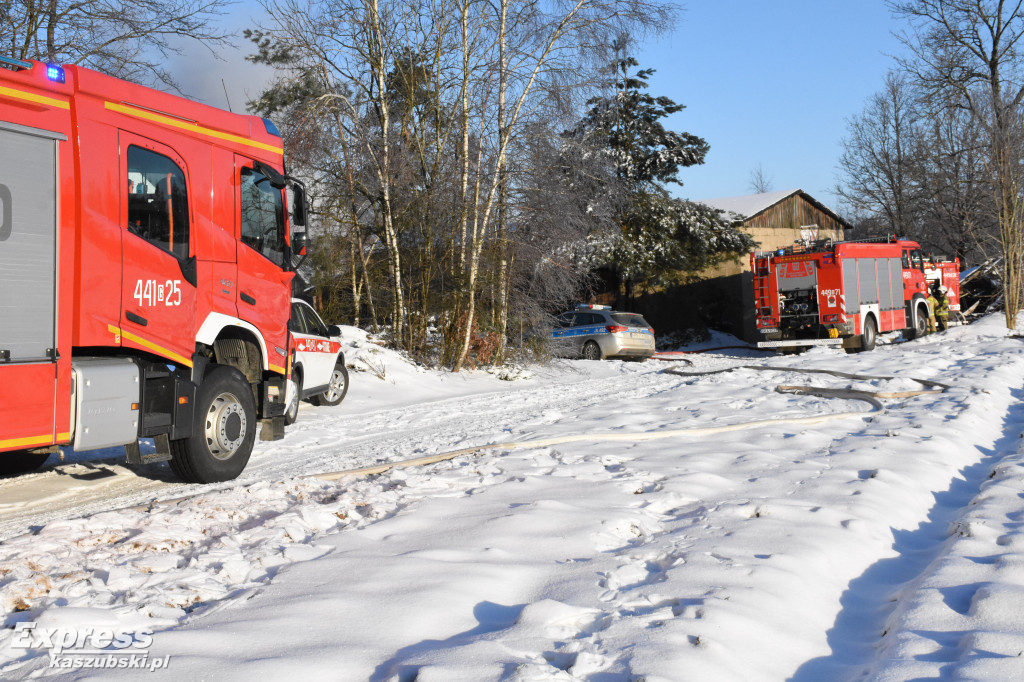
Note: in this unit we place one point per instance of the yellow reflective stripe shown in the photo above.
(33, 97)
(145, 343)
(31, 441)
(190, 127)
(276, 368)
(26, 442)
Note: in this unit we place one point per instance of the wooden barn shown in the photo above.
(778, 219)
(774, 220)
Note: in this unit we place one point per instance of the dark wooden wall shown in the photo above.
(793, 213)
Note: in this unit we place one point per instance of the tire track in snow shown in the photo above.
(83, 488)
(359, 439)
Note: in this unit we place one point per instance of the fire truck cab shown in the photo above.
(145, 273)
(846, 293)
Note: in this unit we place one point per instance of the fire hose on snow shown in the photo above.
(872, 398)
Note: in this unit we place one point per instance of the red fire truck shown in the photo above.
(145, 273)
(846, 293)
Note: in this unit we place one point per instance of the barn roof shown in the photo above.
(750, 205)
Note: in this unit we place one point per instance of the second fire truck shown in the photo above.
(846, 293)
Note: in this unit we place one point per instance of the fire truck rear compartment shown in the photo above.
(798, 300)
(798, 312)
(28, 244)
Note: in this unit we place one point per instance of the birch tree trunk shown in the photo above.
(482, 214)
(502, 243)
(378, 65)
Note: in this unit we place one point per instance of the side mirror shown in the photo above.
(277, 180)
(299, 208)
(299, 243)
(333, 330)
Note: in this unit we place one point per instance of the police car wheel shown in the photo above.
(591, 351)
(224, 432)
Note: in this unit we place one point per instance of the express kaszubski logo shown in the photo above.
(90, 647)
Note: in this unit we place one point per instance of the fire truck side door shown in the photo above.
(264, 284)
(158, 285)
(913, 274)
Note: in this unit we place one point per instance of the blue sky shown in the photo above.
(769, 82)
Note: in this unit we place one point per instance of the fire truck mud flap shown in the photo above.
(275, 406)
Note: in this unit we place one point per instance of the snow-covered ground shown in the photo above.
(668, 544)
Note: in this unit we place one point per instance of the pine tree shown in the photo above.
(627, 124)
(660, 237)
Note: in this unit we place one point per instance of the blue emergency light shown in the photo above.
(271, 128)
(55, 73)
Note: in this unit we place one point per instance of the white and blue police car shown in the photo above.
(595, 332)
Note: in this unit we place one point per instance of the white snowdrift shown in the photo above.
(884, 544)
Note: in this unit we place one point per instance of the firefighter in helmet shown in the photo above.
(933, 303)
(940, 307)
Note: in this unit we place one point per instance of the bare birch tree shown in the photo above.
(421, 112)
(957, 209)
(355, 49)
(969, 54)
(879, 159)
(548, 38)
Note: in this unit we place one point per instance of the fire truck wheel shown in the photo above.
(20, 462)
(225, 430)
(291, 413)
(870, 334)
(920, 327)
(335, 393)
(591, 351)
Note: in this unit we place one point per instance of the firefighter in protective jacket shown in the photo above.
(933, 303)
(940, 308)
